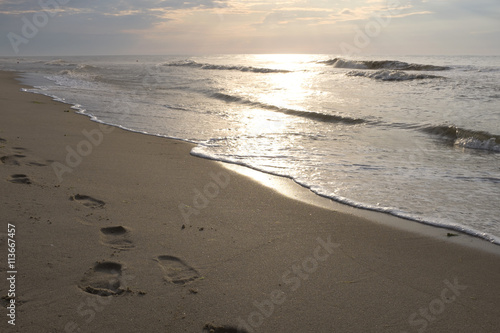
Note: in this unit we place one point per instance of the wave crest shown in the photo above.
(393, 75)
(58, 62)
(466, 138)
(380, 64)
(194, 64)
(318, 116)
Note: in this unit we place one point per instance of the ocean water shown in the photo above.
(416, 137)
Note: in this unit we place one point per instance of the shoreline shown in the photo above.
(289, 188)
(192, 246)
(302, 193)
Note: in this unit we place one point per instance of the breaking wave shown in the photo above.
(58, 62)
(393, 75)
(194, 64)
(318, 116)
(381, 64)
(81, 76)
(466, 138)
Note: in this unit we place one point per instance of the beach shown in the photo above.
(125, 232)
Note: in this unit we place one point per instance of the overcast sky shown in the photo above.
(394, 27)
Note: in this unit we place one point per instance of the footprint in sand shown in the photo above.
(14, 160)
(104, 279)
(19, 178)
(176, 271)
(4, 301)
(36, 164)
(117, 237)
(11, 159)
(211, 328)
(87, 201)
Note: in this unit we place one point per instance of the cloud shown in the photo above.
(182, 26)
(95, 17)
(180, 4)
(281, 17)
(108, 7)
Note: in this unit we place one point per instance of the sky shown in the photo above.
(348, 27)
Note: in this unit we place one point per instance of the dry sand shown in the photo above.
(122, 232)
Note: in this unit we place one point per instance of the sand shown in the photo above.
(122, 232)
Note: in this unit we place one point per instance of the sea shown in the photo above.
(417, 137)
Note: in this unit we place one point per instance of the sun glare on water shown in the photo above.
(277, 96)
